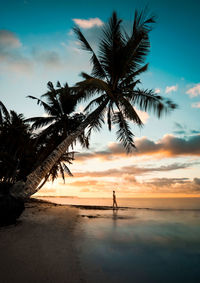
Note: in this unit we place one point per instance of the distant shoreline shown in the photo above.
(104, 207)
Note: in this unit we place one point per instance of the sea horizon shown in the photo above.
(190, 203)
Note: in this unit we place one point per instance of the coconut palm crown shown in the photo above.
(114, 77)
(60, 118)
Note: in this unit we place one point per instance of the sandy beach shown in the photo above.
(40, 248)
(95, 244)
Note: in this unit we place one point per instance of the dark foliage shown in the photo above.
(10, 208)
(114, 77)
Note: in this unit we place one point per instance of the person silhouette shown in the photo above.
(114, 201)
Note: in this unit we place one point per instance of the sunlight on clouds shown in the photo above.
(194, 91)
(171, 88)
(169, 146)
(86, 24)
(125, 186)
(133, 175)
(157, 90)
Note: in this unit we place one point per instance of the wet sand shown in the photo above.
(95, 244)
(41, 246)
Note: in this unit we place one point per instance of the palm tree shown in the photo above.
(59, 121)
(15, 155)
(16, 146)
(114, 80)
(21, 150)
(60, 118)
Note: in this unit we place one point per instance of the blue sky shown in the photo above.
(37, 45)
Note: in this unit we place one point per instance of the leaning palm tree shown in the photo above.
(114, 81)
(60, 118)
(59, 121)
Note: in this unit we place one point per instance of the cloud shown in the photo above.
(17, 58)
(167, 181)
(49, 58)
(178, 125)
(174, 185)
(197, 181)
(183, 130)
(128, 185)
(8, 41)
(196, 105)
(171, 88)
(180, 129)
(157, 90)
(11, 57)
(132, 171)
(87, 24)
(194, 91)
(168, 146)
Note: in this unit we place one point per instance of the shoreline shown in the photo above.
(108, 207)
(41, 247)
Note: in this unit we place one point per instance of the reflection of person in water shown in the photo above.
(114, 200)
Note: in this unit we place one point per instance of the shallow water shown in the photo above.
(140, 245)
(151, 203)
(149, 241)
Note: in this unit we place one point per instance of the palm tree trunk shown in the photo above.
(23, 190)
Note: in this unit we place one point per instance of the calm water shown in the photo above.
(159, 244)
(152, 203)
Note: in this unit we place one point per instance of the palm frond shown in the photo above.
(84, 141)
(46, 107)
(62, 172)
(4, 111)
(137, 44)
(97, 69)
(129, 111)
(98, 117)
(96, 101)
(147, 100)
(39, 122)
(109, 114)
(110, 46)
(67, 170)
(50, 86)
(143, 21)
(58, 84)
(131, 78)
(124, 134)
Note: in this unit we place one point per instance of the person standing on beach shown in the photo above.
(114, 201)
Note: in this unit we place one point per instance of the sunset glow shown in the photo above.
(166, 160)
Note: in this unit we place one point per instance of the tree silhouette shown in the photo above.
(114, 80)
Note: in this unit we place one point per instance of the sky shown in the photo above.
(37, 45)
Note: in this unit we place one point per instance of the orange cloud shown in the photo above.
(132, 170)
(168, 146)
(129, 186)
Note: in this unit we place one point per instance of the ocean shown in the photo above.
(139, 203)
(146, 241)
